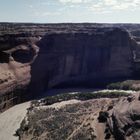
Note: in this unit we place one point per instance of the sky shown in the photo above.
(59, 11)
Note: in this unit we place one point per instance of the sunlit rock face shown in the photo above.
(83, 59)
(15, 71)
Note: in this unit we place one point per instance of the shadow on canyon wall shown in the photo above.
(84, 60)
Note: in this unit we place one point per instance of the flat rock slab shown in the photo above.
(10, 121)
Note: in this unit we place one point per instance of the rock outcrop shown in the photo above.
(16, 56)
(35, 57)
(124, 123)
(87, 119)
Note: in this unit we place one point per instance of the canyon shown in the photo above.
(38, 58)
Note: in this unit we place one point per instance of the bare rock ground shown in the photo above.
(10, 121)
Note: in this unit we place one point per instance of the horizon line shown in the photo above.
(13, 22)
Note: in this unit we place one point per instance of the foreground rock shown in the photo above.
(124, 121)
(86, 119)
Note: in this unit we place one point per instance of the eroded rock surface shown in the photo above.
(15, 70)
(124, 121)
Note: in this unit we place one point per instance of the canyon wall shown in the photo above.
(83, 59)
(35, 57)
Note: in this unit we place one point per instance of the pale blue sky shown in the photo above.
(55, 11)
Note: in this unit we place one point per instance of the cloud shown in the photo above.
(70, 1)
(106, 6)
(46, 14)
(103, 6)
(127, 4)
(110, 2)
(96, 6)
(30, 6)
(74, 1)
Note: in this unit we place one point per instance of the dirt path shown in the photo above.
(99, 128)
(84, 121)
(77, 129)
(10, 121)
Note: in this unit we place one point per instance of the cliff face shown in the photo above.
(35, 57)
(83, 59)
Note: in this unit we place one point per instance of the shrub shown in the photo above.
(103, 115)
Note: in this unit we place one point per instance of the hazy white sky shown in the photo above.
(48, 11)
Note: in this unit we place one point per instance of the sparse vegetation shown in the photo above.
(103, 115)
(126, 85)
(3, 80)
(82, 96)
(72, 121)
